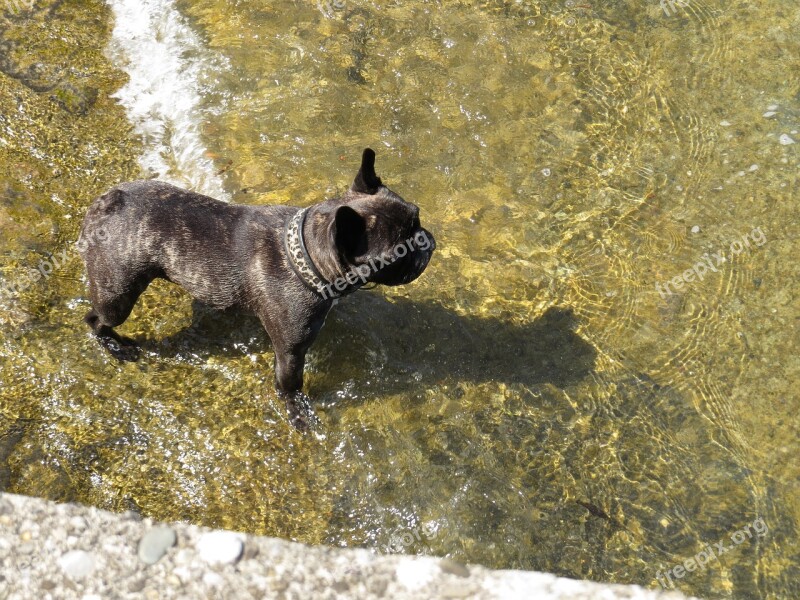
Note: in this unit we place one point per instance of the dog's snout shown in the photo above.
(422, 240)
(432, 239)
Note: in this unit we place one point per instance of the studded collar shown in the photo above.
(304, 267)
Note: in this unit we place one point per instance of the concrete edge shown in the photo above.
(65, 551)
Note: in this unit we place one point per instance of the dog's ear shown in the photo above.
(349, 232)
(367, 182)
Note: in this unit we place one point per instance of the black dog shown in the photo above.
(285, 264)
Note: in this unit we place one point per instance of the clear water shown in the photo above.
(560, 391)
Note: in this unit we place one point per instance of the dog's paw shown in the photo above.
(123, 349)
(301, 415)
(298, 421)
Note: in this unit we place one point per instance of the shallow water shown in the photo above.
(544, 397)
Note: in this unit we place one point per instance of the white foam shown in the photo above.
(166, 62)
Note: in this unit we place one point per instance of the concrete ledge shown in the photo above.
(65, 551)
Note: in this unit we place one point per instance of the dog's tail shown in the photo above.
(110, 202)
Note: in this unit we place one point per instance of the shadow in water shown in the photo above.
(396, 343)
(431, 343)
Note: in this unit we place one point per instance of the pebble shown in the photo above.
(753, 168)
(785, 140)
(184, 574)
(725, 123)
(26, 548)
(77, 563)
(155, 543)
(212, 579)
(772, 107)
(220, 547)
(448, 565)
(769, 114)
(696, 229)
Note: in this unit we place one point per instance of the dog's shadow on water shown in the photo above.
(427, 342)
(399, 344)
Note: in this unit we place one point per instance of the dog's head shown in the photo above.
(373, 232)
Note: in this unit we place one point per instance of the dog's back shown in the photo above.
(146, 229)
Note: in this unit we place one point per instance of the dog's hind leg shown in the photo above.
(110, 310)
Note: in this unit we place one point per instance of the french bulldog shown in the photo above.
(286, 264)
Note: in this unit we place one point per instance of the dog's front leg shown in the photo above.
(289, 365)
(291, 338)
